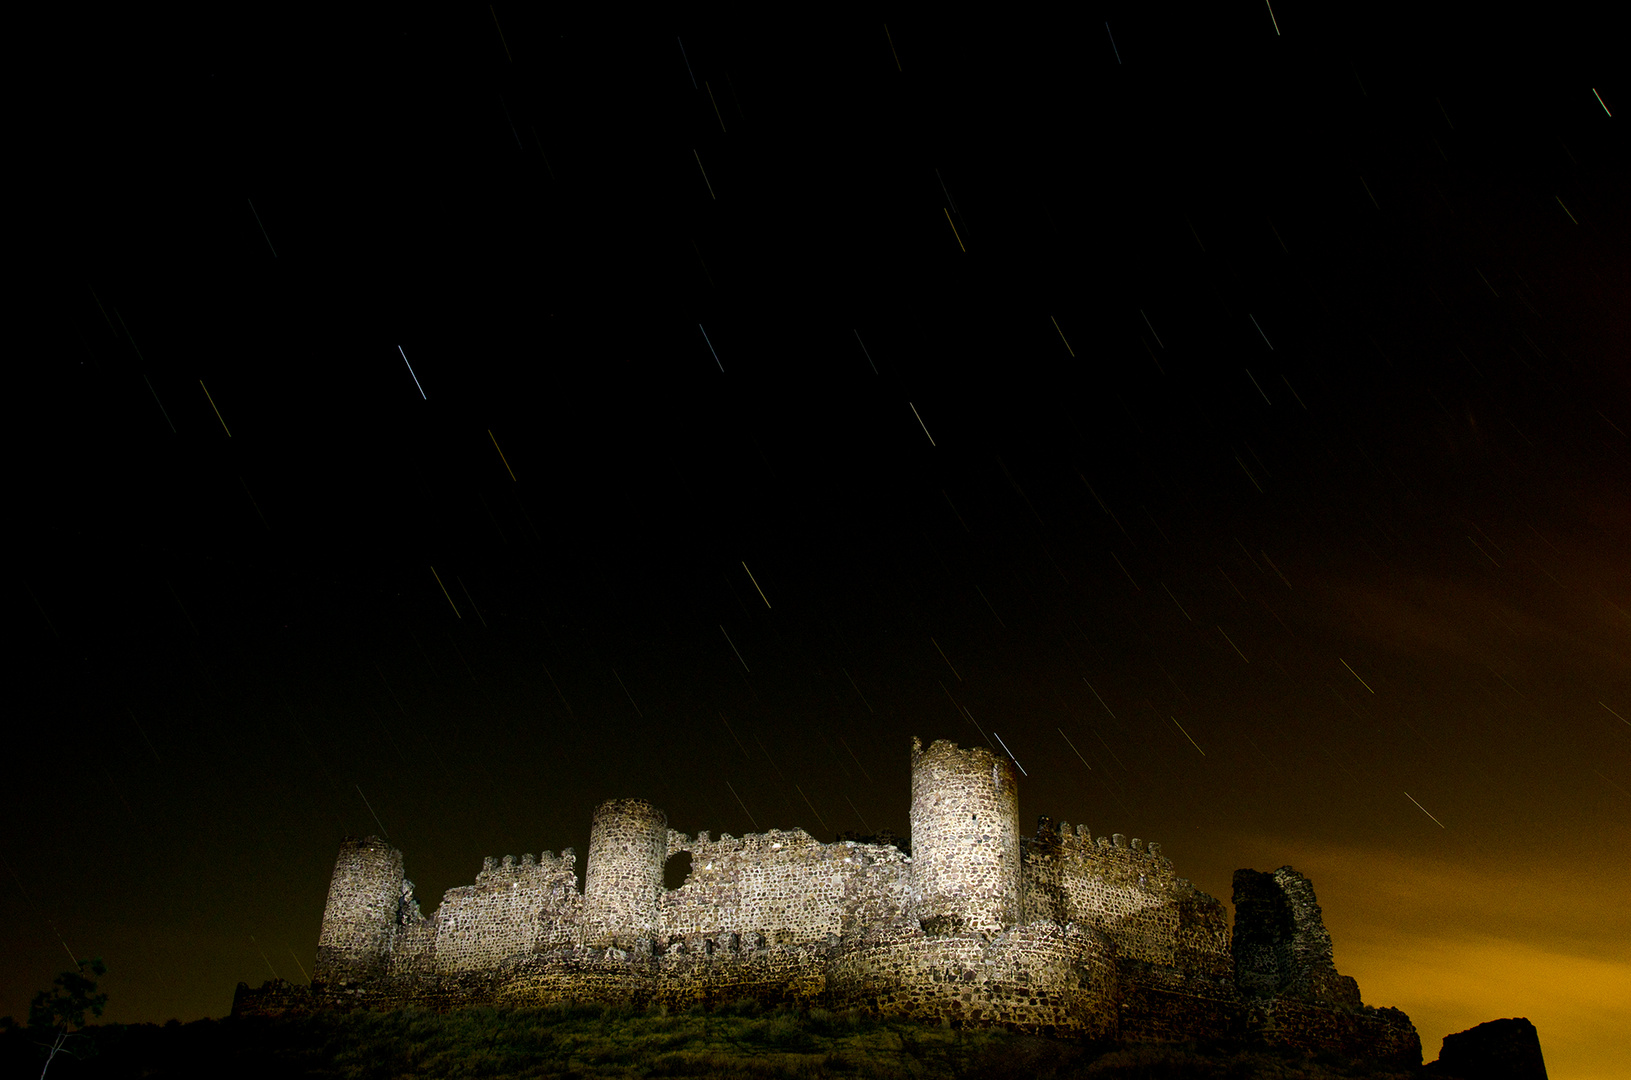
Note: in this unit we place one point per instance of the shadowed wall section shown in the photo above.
(1289, 986)
(1281, 946)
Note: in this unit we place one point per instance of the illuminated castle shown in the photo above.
(1058, 933)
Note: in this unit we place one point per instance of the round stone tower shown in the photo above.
(965, 839)
(628, 844)
(359, 921)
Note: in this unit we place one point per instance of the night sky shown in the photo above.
(1227, 408)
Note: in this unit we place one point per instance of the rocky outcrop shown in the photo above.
(1499, 1050)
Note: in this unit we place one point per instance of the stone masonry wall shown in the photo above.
(783, 885)
(513, 910)
(1281, 947)
(1040, 978)
(623, 877)
(1288, 979)
(718, 970)
(413, 954)
(965, 839)
(1152, 1013)
(1169, 940)
(1379, 1034)
(1164, 930)
(360, 917)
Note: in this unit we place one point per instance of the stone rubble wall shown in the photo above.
(277, 997)
(1289, 986)
(965, 839)
(783, 885)
(1149, 1012)
(623, 875)
(712, 971)
(360, 916)
(1313, 964)
(1379, 1034)
(413, 952)
(513, 909)
(1281, 947)
(1163, 929)
(1040, 978)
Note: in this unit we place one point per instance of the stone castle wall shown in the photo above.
(1041, 978)
(1281, 947)
(1158, 922)
(623, 879)
(710, 971)
(1060, 933)
(1290, 989)
(784, 885)
(513, 909)
(965, 839)
(360, 917)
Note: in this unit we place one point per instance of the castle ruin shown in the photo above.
(1059, 933)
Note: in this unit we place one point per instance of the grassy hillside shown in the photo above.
(590, 1041)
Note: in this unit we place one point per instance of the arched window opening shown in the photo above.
(676, 869)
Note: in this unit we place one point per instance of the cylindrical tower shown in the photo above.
(628, 844)
(965, 839)
(359, 921)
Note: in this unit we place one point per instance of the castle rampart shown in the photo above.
(1040, 977)
(784, 885)
(1129, 892)
(513, 909)
(1059, 933)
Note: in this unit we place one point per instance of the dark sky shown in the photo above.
(1233, 421)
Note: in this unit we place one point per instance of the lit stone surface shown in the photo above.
(1129, 893)
(965, 839)
(1040, 978)
(359, 920)
(628, 844)
(512, 910)
(1057, 933)
(784, 885)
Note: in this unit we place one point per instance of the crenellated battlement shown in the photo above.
(771, 843)
(1061, 931)
(784, 885)
(1177, 936)
(508, 871)
(1080, 843)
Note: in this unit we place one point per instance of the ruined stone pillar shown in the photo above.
(360, 919)
(1281, 946)
(623, 880)
(965, 839)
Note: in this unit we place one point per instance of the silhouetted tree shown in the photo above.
(62, 1008)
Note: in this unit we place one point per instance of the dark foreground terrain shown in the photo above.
(590, 1041)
